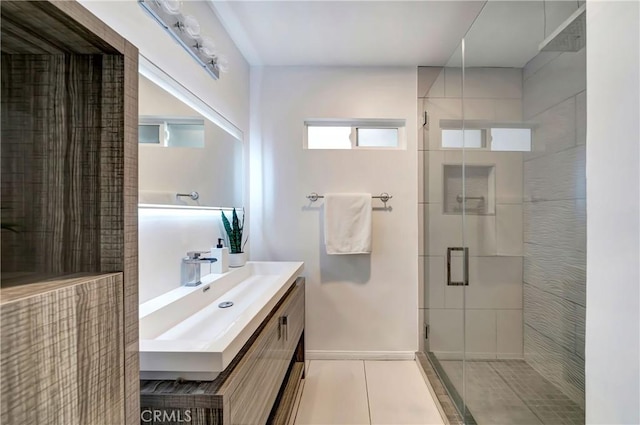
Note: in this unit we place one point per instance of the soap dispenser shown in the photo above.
(222, 254)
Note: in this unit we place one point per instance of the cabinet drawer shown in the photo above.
(260, 374)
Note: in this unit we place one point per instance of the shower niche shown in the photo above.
(480, 191)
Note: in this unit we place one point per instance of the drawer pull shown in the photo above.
(283, 323)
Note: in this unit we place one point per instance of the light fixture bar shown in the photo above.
(176, 30)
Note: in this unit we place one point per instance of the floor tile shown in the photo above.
(398, 394)
(511, 392)
(334, 394)
(489, 399)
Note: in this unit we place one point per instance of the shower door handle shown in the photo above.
(465, 266)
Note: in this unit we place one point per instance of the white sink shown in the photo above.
(185, 334)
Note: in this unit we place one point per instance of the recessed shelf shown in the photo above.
(479, 189)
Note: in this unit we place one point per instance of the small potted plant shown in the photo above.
(237, 256)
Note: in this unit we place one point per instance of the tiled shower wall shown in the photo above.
(554, 100)
(494, 296)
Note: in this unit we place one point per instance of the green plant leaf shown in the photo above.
(227, 225)
(234, 231)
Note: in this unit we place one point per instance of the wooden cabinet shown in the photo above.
(69, 171)
(245, 393)
(262, 370)
(62, 358)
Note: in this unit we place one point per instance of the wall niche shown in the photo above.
(480, 193)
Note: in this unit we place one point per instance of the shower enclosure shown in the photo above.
(504, 210)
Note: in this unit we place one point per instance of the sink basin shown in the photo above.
(190, 332)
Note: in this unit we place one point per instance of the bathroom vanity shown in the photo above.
(257, 381)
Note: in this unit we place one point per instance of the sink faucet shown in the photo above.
(191, 267)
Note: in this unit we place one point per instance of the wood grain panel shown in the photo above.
(39, 331)
(181, 416)
(282, 414)
(51, 23)
(62, 361)
(130, 236)
(264, 370)
(96, 28)
(255, 386)
(60, 171)
(294, 312)
(69, 156)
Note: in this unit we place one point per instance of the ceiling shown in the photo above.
(388, 33)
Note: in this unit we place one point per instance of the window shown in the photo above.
(354, 134)
(453, 138)
(149, 134)
(171, 132)
(377, 137)
(319, 137)
(185, 135)
(511, 139)
(498, 139)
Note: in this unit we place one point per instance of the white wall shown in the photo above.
(165, 236)
(613, 245)
(360, 304)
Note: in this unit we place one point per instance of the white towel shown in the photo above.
(347, 223)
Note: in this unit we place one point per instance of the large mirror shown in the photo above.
(185, 159)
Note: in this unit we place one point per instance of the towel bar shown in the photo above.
(384, 197)
(193, 195)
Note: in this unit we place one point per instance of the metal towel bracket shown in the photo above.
(193, 195)
(384, 197)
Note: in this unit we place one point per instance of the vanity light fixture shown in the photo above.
(185, 29)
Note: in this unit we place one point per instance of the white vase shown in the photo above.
(237, 260)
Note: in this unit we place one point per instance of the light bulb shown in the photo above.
(222, 63)
(208, 47)
(172, 7)
(191, 26)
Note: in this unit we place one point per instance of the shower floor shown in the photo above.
(511, 392)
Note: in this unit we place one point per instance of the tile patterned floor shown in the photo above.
(353, 392)
(510, 392)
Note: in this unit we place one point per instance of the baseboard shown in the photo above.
(359, 355)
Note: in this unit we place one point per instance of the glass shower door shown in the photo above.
(522, 205)
(505, 215)
(444, 246)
